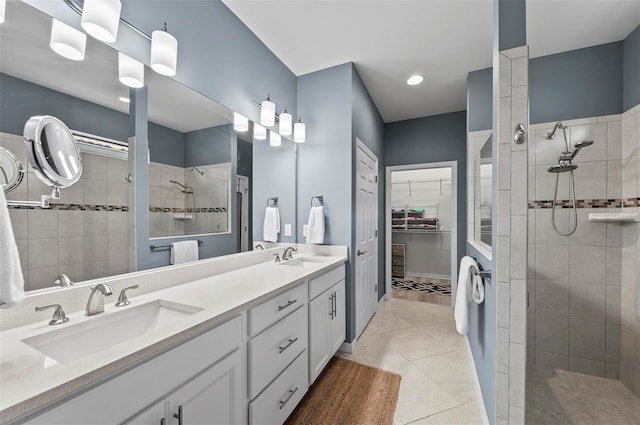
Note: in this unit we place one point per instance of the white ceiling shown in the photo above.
(25, 53)
(389, 40)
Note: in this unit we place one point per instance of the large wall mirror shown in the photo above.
(201, 173)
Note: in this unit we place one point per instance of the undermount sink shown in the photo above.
(76, 341)
(303, 262)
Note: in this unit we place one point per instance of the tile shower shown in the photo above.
(83, 232)
(583, 288)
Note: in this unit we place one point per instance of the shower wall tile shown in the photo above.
(95, 192)
(586, 339)
(552, 334)
(614, 139)
(614, 302)
(590, 180)
(614, 179)
(588, 232)
(70, 250)
(587, 302)
(590, 132)
(588, 264)
(94, 167)
(552, 299)
(544, 229)
(588, 366)
(612, 348)
(552, 262)
(551, 360)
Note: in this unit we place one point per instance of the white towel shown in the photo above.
(477, 289)
(184, 252)
(271, 226)
(11, 279)
(315, 226)
(466, 282)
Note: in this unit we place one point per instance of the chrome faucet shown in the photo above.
(288, 252)
(63, 280)
(95, 305)
(259, 246)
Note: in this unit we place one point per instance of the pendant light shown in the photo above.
(299, 131)
(267, 112)
(130, 71)
(285, 123)
(100, 19)
(67, 41)
(259, 132)
(275, 139)
(164, 52)
(240, 122)
(3, 8)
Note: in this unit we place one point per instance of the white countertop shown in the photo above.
(29, 380)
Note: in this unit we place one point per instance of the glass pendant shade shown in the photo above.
(164, 53)
(100, 19)
(240, 122)
(67, 41)
(285, 123)
(259, 132)
(299, 132)
(3, 8)
(267, 113)
(275, 139)
(130, 71)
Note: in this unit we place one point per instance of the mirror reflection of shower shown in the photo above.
(565, 165)
(188, 190)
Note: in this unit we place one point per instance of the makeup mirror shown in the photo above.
(53, 151)
(11, 171)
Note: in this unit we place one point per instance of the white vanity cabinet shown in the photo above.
(327, 319)
(203, 375)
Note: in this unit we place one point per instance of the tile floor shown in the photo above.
(418, 341)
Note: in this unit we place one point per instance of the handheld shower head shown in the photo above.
(583, 144)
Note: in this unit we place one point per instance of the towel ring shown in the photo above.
(320, 199)
(273, 199)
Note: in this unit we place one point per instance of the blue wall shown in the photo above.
(576, 84)
(208, 146)
(368, 127)
(631, 69)
(166, 146)
(433, 139)
(479, 107)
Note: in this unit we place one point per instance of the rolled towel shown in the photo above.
(468, 272)
(271, 226)
(184, 252)
(11, 279)
(315, 226)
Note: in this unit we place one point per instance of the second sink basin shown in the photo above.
(80, 340)
(303, 262)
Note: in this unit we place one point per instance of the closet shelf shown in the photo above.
(616, 216)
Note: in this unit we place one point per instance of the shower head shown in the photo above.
(551, 135)
(562, 168)
(583, 144)
(199, 171)
(179, 184)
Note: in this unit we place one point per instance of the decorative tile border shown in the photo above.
(187, 210)
(72, 207)
(588, 203)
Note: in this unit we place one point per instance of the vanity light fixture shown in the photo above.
(414, 80)
(274, 139)
(267, 112)
(100, 19)
(164, 52)
(3, 10)
(259, 132)
(67, 41)
(130, 71)
(299, 131)
(240, 122)
(285, 119)
(124, 99)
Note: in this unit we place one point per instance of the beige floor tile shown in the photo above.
(456, 416)
(415, 344)
(452, 371)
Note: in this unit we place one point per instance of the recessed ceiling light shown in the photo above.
(124, 99)
(415, 80)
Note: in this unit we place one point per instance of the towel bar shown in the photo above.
(155, 248)
(485, 274)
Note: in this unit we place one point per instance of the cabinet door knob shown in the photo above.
(178, 415)
(361, 253)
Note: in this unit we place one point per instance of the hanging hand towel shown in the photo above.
(271, 224)
(477, 290)
(11, 279)
(184, 252)
(315, 226)
(463, 296)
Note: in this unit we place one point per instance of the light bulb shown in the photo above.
(285, 123)
(299, 131)
(414, 80)
(100, 19)
(130, 71)
(275, 139)
(259, 132)
(67, 41)
(164, 52)
(3, 10)
(267, 113)
(240, 122)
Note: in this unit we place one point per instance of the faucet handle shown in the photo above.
(59, 316)
(122, 299)
(277, 257)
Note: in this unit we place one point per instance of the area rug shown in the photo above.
(349, 393)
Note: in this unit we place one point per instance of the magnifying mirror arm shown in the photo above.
(44, 202)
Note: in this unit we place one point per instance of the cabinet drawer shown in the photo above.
(278, 400)
(321, 283)
(269, 312)
(397, 249)
(271, 351)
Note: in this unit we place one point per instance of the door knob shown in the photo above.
(361, 253)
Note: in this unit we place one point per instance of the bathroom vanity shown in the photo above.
(241, 345)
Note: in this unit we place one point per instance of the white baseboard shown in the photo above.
(428, 275)
(349, 347)
(483, 410)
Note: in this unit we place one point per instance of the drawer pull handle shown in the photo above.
(282, 307)
(288, 397)
(163, 421)
(291, 341)
(178, 415)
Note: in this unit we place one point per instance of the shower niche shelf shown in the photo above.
(616, 216)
